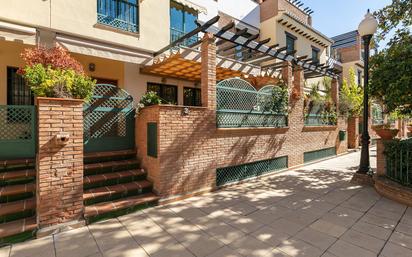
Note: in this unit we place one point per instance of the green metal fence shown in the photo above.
(239, 104)
(17, 131)
(319, 154)
(238, 173)
(319, 120)
(399, 161)
(109, 120)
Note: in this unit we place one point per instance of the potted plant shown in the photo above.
(53, 73)
(385, 131)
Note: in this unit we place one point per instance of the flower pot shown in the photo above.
(386, 133)
(409, 128)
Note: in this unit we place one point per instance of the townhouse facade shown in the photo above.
(215, 67)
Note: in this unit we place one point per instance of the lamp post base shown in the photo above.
(362, 179)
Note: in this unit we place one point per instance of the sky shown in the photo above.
(334, 17)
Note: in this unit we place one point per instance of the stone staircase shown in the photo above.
(114, 184)
(17, 200)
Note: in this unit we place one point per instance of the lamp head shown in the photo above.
(368, 25)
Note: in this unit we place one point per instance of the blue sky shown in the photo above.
(334, 17)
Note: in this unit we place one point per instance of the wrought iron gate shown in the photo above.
(17, 131)
(109, 120)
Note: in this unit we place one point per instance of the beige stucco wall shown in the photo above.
(80, 18)
(9, 56)
(347, 66)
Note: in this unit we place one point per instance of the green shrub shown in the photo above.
(148, 99)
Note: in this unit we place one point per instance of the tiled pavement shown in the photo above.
(312, 211)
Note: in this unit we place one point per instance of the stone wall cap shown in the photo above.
(41, 98)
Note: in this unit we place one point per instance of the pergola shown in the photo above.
(183, 60)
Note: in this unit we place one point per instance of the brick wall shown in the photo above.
(353, 132)
(59, 166)
(271, 8)
(191, 147)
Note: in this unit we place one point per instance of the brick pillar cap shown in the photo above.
(41, 98)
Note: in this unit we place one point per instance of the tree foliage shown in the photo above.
(391, 68)
(351, 96)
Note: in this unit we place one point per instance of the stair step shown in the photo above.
(18, 174)
(102, 208)
(17, 227)
(108, 191)
(17, 206)
(112, 165)
(20, 162)
(93, 179)
(88, 157)
(17, 189)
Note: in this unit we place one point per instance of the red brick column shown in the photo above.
(208, 76)
(335, 93)
(59, 162)
(380, 158)
(353, 132)
(295, 82)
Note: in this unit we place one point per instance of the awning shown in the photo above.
(103, 50)
(17, 33)
(194, 6)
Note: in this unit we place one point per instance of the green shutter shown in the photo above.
(319, 154)
(152, 139)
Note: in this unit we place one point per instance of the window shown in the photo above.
(18, 93)
(359, 77)
(315, 55)
(290, 42)
(168, 93)
(182, 21)
(192, 97)
(119, 14)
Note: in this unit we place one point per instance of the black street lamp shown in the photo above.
(366, 29)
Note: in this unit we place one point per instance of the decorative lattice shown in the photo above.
(319, 154)
(117, 23)
(249, 170)
(108, 113)
(239, 104)
(319, 120)
(17, 122)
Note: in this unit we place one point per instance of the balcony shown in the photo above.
(118, 14)
(175, 34)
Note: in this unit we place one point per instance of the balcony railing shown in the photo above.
(399, 161)
(119, 14)
(175, 34)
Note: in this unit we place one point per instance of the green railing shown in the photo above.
(119, 14)
(175, 34)
(240, 105)
(320, 120)
(17, 131)
(398, 155)
(318, 154)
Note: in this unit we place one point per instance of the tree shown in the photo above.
(351, 96)
(391, 68)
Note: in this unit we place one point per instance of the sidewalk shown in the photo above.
(311, 211)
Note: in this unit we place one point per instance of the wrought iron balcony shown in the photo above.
(119, 14)
(175, 34)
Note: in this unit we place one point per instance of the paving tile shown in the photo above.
(287, 226)
(41, 247)
(246, 224)
(243, 208)
(315, 238)
(347, 212)
(113, 239)
(401, 239)
(328, 228)
(298, 248)
(223, 232)
(344, 249)
(5, 251)
(404, 228)
(318, 207)
(303, 217)
(339, 219)
(203, 246)
(225, 252)
(125, 250)
(251, 247)
(270, 236)
(381, 212)
(394, 250)
(269, 215)
(372, 230)
(363, 240)
(189, 213)
(104, 227)
(77, 242)
(172, 250)
(379, 221)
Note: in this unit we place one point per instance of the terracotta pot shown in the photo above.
(386, 134)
